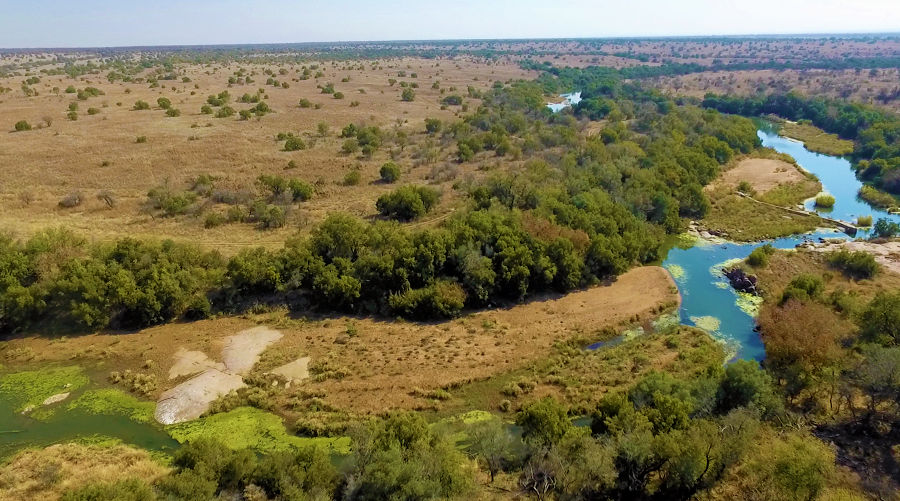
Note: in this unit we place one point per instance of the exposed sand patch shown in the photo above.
(188, 362)
(191, 399)
(886, 254)
(242, 350)
(763, 174)
(294, 371)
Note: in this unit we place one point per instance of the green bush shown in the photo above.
(93, 111)
(225, 112)
(803, 287)
(443, 299)
(825, 201)
(352, 178)
(140, 139)
(170, 112)
(885, 228)
(407, 202)
(305, 103)
(22, 125)
(339, 95)
(141, 105)
(864, 221)
(858, 264)
(408, 95)
(164, 103)
(760, 255)
(390, 172)
(452, 100)
(294, 143)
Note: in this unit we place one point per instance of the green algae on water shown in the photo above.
(115, 402)
(677, 272)
(748, 303)
(27, 389)
(251, 428)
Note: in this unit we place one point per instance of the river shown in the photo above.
(708, 301)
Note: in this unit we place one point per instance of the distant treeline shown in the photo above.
(876, 132)
(675, 69)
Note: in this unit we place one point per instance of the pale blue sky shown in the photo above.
(89, 23)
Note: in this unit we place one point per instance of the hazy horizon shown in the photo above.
(106, 24)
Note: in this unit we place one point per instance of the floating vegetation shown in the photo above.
(708, 323)
(748, 303)
(716, 269)
(26, 390)
(676, 271)
(632, 333)
(250, 428)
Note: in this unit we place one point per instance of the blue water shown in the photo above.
(838, 179)
(568, 100)
(708, 301)
(706, 293)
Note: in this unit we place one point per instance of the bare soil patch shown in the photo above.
(242, 350)
(191, 399)
(763, 174)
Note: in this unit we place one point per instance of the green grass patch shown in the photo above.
(115, 402)
(31, 388)
(791, 194)
(744, 220)
(250, 428)
(825, 201)
(877, 197)
(817, 139)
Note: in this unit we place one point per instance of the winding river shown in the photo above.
(708, 301)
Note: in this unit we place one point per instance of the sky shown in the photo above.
(106, 23)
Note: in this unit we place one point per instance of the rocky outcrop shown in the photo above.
(741, 281)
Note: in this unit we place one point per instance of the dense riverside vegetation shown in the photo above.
(663, 438)
(579, 209)
(876, 132)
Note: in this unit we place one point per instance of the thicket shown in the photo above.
(578, 210)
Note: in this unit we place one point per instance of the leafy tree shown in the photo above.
(407, 202)
(493, 444)
(880, 321)
(544, 422)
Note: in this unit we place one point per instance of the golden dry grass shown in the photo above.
(99, 152)
(44, 474)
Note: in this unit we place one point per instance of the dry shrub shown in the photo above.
(802, 334)
(73, 199)
(107, 198)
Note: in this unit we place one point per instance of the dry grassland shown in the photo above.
(100, 152)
